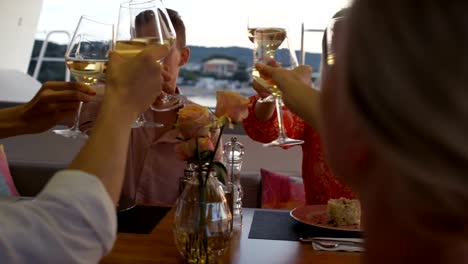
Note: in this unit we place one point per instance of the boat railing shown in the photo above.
(41, 58)
(303, 31)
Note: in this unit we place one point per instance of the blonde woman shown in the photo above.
(396, 101)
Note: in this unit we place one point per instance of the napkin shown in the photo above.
(338, 244)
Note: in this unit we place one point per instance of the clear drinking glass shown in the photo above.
(86, 58)
(254, 21)
(144, 23)
(273, 45)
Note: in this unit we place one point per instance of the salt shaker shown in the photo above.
(233, 154)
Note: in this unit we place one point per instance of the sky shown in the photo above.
(210, 23)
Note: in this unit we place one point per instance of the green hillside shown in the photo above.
(56, 70)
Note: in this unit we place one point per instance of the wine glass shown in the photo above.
(86, 58)
(272, 45)
(167, 102)
(140, 24)
(262, 19)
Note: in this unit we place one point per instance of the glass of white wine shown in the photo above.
(141, 24)
(262, 17)
(272, 46)
(86, 58)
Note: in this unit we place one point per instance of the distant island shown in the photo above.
(55, 71)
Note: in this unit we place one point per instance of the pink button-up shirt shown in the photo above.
(153, 170)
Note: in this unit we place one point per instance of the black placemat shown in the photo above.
(279, 225)
(140, 219)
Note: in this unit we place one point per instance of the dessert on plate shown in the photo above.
(343, 212)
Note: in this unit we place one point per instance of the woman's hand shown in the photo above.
(287, 80)
(135, 83)
(296, 89)
(264, 109)
(260, 89)
(52, 104)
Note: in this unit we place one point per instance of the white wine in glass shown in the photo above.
(130, 48)
(267, 42)
(89, 72)
(261, 16)
(272, 46)
(260, 19)
(143, 24)
(86, 58)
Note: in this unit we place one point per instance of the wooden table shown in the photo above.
(159, 247)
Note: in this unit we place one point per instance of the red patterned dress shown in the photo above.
(319, 183)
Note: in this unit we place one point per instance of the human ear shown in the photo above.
(184, 56)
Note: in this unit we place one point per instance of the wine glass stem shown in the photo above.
(279, 114)
(76, 124)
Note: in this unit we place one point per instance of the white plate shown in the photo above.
(316, 215)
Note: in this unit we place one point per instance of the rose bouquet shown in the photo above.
(200, 130)
(203, 221)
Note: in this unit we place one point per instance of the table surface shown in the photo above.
(159, 247)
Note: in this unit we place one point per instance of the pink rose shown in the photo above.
(194, 121)
(233, 105)
(186, 150)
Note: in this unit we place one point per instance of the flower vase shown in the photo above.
(202, 226)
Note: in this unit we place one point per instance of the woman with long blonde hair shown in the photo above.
(396, 99)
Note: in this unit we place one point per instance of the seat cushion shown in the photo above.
(7, 186)
(281, 191)
(251, 187)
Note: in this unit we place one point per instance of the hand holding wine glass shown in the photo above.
(142, 71)
(272, 46)
(86, 58)
(143, 24)
(262, 18)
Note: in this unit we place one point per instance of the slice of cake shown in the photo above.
(343, 212)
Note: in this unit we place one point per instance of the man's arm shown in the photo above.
(105, 153)
(73, 219)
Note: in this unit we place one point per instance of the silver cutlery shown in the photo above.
(330, 242)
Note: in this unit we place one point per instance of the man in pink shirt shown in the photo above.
(153, 170)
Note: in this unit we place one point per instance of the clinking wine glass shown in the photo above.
(86, 58)
(262, 19)
(166, 101)
(273, 45)
(141, 24)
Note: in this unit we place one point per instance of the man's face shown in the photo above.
(175, 59)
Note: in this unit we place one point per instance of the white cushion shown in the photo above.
(16, 86)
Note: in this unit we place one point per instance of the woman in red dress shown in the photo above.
(262, 125)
